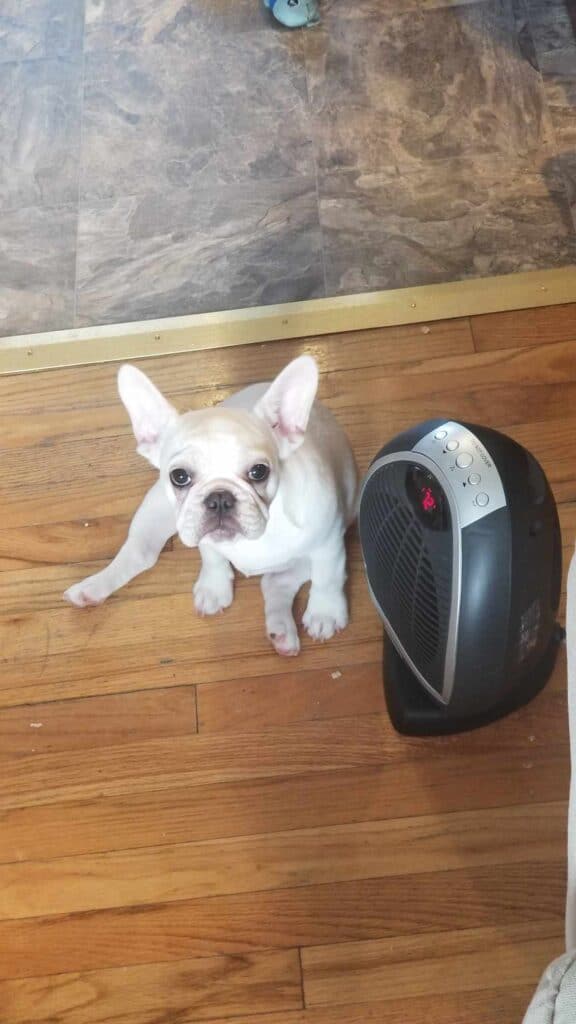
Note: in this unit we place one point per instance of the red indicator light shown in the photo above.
(428, 500)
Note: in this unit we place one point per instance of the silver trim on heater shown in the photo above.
(451, 643)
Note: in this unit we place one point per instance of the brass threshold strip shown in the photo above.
(148, 338)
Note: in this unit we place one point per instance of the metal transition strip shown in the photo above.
(147, 338)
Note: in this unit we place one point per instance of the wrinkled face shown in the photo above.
(221, 470)
(221, 466)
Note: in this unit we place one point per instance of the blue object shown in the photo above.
(294, 13)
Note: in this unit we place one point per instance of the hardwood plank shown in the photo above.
(302, 695)
(283, 860)
(199, 760)
(52, 650)
(84, 499)
(529, 327)
(174, 670)
(290, 697)
(484, 1006)
(85, 422)
(76, 494)
(184, 990)
(427, 965)
(77, 541)
(498, 386)
(296, 749)
(79, 390)
(158, 674)
(24, 590)
(496, 895)
(96, 721)
(175, 573)
(77, 500)
(69, 652)
(453, 782)
(297, 817)
(48, 644)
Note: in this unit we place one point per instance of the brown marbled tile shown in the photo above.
(559, 72)
(456, 220)
(37, 266)
(424, 84)
(175, 252)
(121, 23)
(163, 116)
(40, 107)
(382, 9)
(550, 24)
(566, 164)
(40, 28)
(443, 152)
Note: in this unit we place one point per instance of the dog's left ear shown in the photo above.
(287, 403)
(148, 410)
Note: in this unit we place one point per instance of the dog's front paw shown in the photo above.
(325, 615)
(212, 594)
(284, 635)
(85, 594)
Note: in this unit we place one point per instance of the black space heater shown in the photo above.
(462, 550)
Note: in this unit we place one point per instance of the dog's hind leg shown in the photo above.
(153, 525)
(279, 590)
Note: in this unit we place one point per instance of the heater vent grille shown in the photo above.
(409, 567)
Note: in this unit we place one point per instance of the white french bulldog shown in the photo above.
(265, 482)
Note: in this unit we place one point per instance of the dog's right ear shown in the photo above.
(148, 410)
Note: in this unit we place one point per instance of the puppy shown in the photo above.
(264, 483)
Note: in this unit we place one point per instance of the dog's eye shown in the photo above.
(259, 473)
(180, 477)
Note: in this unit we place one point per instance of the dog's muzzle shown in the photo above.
(222, 513)
(219, 518)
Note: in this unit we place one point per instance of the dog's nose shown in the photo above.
(220, 502)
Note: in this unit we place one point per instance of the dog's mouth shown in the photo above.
(222, 529)
(217, 531)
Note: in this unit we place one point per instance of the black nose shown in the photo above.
(220, 502)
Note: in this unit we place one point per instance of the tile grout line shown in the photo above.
(316, 171)
(80, 169)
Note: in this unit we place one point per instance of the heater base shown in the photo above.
(414, 713)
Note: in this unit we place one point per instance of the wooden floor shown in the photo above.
(192, 828)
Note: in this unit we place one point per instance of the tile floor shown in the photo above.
(163, 157)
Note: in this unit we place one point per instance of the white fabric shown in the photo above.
(571, 650)
(555, 999)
